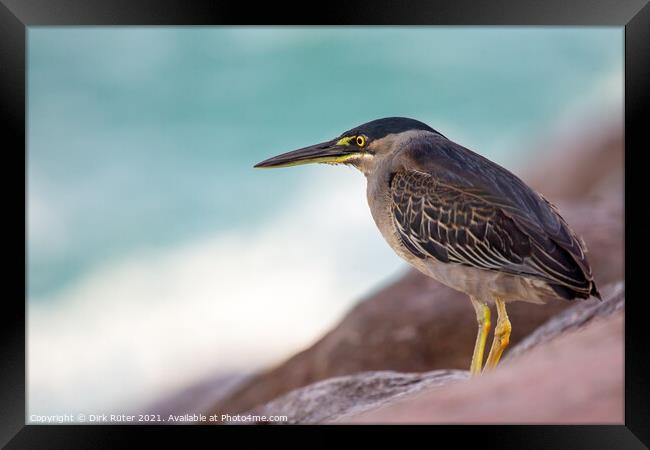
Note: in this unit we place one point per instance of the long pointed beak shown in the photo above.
(332, 152)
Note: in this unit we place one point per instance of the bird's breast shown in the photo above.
(379, 201)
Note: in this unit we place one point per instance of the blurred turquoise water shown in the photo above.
(144, 137)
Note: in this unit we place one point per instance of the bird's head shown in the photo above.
(357, 147)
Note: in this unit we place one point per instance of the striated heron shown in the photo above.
(460, 219)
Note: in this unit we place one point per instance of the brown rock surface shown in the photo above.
(582, 381)
(576, 378)
(352, 394)
(581, 167)
(573, 318)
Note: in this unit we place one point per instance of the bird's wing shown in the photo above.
(458, 207)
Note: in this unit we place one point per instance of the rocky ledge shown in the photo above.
(569, 370)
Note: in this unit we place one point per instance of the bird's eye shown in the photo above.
(361, 141)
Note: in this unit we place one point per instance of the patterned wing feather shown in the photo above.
(484, 217)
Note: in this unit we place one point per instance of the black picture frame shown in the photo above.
(17, 15)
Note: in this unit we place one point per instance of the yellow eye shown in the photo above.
(361, 141)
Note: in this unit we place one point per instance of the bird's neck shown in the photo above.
(364, 163)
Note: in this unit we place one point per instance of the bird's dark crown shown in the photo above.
(379, 128)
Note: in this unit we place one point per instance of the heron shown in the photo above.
(461, 219)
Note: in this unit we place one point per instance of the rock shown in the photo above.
(573, 318)
(584, 166)
(576, 378)
(570, 370)
(353, 394)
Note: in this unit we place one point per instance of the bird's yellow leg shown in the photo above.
(483, 319)
(501, 336)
